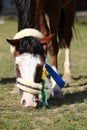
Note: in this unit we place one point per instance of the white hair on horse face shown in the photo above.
(30, 98)
(27, 65)
(27, 62)
(26, 32)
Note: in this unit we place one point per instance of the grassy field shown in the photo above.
(69, 113)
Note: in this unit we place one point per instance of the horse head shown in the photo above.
(29, 59)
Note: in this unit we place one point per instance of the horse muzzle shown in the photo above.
(29, 92)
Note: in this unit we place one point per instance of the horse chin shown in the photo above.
(28, 100)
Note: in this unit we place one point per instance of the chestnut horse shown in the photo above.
(33, 14)
(61, 13)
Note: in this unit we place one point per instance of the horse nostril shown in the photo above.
(23, 103)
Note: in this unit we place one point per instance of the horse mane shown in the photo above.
(30, 45)
(25, 13)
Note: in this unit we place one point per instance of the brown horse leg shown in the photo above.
(69, 13)
(44, 28)
(43, 24)
(53, 47)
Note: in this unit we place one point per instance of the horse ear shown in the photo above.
(46, 39)
(13, 42)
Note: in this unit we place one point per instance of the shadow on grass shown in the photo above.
(78, 81)
(80, 77)
(69, 99)
(4, 81)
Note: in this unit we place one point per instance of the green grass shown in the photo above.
(69, 113)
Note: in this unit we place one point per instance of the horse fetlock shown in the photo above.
(67, 77)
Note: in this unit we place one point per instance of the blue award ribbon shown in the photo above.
(55, 76)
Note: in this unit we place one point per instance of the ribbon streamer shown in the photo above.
(43, 93)
(55, 76)
(49, 86)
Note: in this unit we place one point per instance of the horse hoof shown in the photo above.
(67, 78)
(57, 95)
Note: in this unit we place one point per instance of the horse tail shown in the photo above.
(61, 27)
(24, 12)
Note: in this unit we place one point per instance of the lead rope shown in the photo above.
(43, 93)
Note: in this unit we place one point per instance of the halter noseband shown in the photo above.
(30, 87)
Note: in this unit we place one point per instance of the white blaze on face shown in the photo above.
(27, 65)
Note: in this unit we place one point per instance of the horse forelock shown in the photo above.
(26, 33)
(30, 45)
